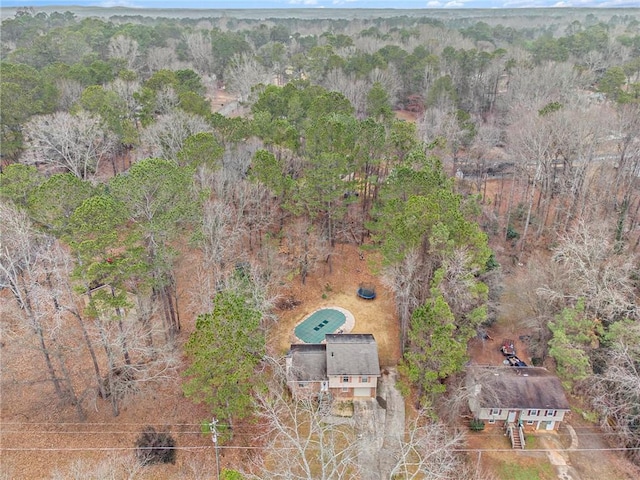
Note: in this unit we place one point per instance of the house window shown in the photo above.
(529, 422)
(533, 413)
(345, 379)
(364, 379)
(492, 421)
(495, 411)
(345, 389)
(301, 385)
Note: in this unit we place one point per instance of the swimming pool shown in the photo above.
(313, 328)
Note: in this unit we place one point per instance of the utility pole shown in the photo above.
(214, 439)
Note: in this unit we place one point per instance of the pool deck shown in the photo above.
(347, 327)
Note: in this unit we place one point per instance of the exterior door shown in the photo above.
(512, 416)
(550, 425)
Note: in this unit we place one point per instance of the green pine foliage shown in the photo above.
(17, 181)
(224, 351)
(575, 334)
(54, 201)
(436, 349)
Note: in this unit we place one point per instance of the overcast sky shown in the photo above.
(222, 4)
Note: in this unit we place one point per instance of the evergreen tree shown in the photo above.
(224, 350)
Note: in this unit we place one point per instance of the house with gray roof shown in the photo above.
(346, 366)
(531, 398)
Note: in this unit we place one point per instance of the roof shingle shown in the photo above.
(517, 387)
(352, 354)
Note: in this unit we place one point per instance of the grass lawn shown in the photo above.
(517, 471)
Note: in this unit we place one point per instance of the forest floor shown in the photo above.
(40, 436)
(591, 460)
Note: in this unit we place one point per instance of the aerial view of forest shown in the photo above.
(185, 193)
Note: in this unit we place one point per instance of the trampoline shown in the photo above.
(313, 328)
(367, 291)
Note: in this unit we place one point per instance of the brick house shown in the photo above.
(346, 366)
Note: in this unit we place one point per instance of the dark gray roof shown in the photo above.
(309, 362)
(517, 387)
(352, 354)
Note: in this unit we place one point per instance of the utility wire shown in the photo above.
(200, 432)
(26, 424)
(238, 447)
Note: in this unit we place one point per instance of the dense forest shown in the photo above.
(453, 150)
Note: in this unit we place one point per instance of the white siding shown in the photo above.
(355, 381)
(529, 415)
(491, 413)
(525, 415)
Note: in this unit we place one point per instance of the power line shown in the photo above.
(24, 424)
(114, 432)
(200, 432)
(249, 447)
(96, 432)
(95, 423)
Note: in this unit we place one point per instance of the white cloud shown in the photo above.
(434, 4)
(118, 3)
(522, 4)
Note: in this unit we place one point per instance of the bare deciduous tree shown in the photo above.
(486, 138)
(74, 143)
(245, 72)
(165, 138)
(429, 452)
(69, 92)
(459, 286)
(300, 444)
(533, 87)
(124, 48)
(200, 48)
(405, 280)
(355, 89)
(596, 273)
(125, 90)
(110, 468)
(25, 271)
(439, 126)
(390, 81)
(616, 392)
(159, 58)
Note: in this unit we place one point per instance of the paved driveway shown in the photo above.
(380, 428)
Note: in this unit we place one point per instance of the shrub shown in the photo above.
(155, 447)
(476, 425)
(512, 234)
(230, 475)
